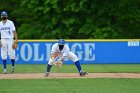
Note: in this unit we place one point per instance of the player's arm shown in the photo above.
(54, 53)
(15, 36)
(14, 31)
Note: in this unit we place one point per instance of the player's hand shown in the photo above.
(54, 55)
(15, 45)
(16, 41)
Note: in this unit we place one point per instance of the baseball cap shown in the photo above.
(61, 42)
(4, 13)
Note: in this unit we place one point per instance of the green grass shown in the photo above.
(70, 86)
(83, 85)
(72, 69)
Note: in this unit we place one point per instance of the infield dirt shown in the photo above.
(68, 75)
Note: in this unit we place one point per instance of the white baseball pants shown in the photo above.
(7, 49)
(71, 56)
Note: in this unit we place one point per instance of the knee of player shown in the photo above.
(75, 60)
(4, 57)
(50, 62)
(12, 56)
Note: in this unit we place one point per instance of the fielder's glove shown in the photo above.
(15, 45)
(58, 63)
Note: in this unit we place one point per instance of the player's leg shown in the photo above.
(50, 63)
(49, 66)
(11, 53)
(13, 65)
(75, 59)
(4, 54)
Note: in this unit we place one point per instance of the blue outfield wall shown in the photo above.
(88, 51)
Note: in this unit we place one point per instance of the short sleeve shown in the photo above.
(13, 26)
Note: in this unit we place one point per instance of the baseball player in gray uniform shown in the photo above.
(8, 33)
(60, 51)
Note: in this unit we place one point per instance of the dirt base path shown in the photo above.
(68, 75)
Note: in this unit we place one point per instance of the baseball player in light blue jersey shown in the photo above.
(8, 33)
(61, 50)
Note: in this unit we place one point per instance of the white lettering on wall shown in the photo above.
(37, 53)
(133, 43)
(89, 55)
(26, 56)
(28, 52)
(48, 50)
(79, 46)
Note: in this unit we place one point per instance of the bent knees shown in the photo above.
(50, 62)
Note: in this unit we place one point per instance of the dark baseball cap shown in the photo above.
(4, 13)
(61, 42)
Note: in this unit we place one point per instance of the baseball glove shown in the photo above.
(15, 45)
(58, 63)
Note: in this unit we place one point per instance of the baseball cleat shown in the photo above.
(47, 74)
(12, 70)
(4, 72)
(83, 74)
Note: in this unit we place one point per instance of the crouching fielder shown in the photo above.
(61, 51)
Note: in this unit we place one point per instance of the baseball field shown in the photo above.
(109, 78)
